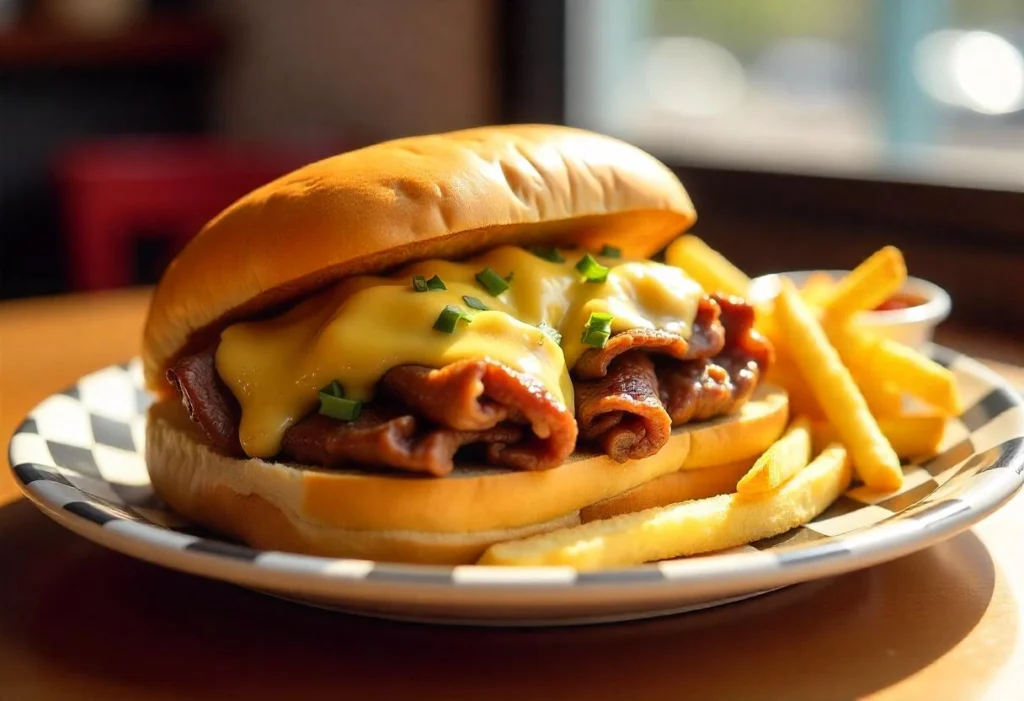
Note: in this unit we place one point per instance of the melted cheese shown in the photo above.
(357, 330)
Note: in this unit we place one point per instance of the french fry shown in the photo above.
(781, 461)
(911, 436)
(904, 367)
(835, 390)
(818, 289)
(872, 282)
(711, 269)
(690, 528)
(881, 394)
(783, 372)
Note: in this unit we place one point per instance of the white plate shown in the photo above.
(79, 458)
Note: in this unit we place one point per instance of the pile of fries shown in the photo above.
(848, 394)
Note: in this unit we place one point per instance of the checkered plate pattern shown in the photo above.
(79, 457)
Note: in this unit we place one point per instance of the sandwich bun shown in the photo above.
(293, 508)
(682, 485)
(367, 211)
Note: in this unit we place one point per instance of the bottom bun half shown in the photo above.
(451, 520)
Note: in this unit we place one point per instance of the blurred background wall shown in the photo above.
(367, 68)
(115, 112)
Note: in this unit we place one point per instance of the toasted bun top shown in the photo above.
(447, 195)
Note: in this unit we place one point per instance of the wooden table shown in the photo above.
(77, 621)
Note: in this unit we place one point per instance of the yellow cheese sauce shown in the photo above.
(359, 329)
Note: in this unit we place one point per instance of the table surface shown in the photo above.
(78, 621)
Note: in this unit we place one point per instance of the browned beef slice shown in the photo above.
(707, 339)
(702, 389)
(209, 402)
(622, 411)
(387, 439)
(450, 398)
(407, 428)
(642, 383)
(476, 394)
(743, 343)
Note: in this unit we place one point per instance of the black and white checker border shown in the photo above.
(79, 457)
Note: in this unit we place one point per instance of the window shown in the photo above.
(928, 91)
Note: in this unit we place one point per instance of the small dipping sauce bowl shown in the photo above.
(910, 316)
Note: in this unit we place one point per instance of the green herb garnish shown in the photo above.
(611, 251)
(492, 282)
(552, 255)
(591, 269)
(449, 318)
(598, 330)
(333, 404)
(333, 389)
(421, 284)
(474, 303)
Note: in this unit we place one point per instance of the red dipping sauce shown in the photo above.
(900, 300)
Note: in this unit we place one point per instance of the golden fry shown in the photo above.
(690, 528)
(818, 289)
(784, 373)
(711, 269)
(868, 285)
(901, 365)
(781, 461)
(882, 395)
(834, 388)
(911, 436)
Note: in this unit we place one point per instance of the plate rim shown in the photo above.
(715, 574)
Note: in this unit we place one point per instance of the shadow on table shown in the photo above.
(72, 610)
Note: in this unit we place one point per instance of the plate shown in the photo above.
(79, 458)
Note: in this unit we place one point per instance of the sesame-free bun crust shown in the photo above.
(446, 195)
(277, 506)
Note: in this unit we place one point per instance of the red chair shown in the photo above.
(114, 190)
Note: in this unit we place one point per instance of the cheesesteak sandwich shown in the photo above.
(415, 350)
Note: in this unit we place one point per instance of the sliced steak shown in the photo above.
(385, 439)
(622, 412)
(476, 395)
(208, 400)
(706, 339)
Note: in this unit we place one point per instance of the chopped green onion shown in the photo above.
(434, 284)
(449, 318)
(549, 254)
(611, 251)
(591, 269)
(598, 330)
(550, 331)
(333, 389)
(474, 303)
(492, 282)
(338, 407)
